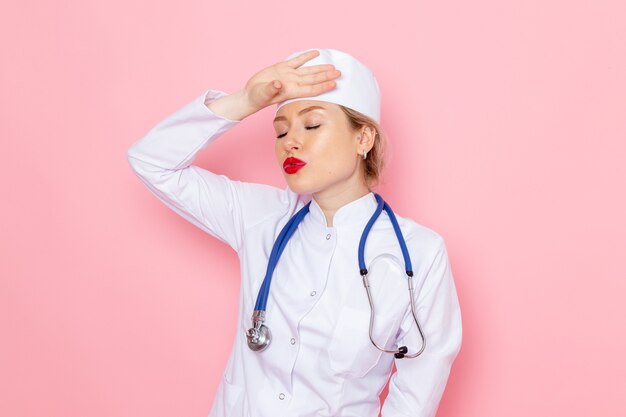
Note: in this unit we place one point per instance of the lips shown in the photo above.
(292, 165)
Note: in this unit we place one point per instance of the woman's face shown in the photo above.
(317, 133)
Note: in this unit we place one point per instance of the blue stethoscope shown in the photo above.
(259, 335)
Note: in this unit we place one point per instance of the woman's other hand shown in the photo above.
(281, 81)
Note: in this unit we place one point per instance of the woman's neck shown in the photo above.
(331, 200)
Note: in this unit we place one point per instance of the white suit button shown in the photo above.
(328, 236)
(281, 396)
(293, 341)
(313, 293)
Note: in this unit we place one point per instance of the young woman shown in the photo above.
(317, 257)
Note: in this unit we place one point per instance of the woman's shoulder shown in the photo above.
(419, 236)
(425, 245)
(263, 203)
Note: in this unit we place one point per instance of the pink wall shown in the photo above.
(507, 122)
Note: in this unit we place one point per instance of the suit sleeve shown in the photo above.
(162, 159)
(416, 388)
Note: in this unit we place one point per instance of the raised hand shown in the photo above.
(286, 80)
(281, 81)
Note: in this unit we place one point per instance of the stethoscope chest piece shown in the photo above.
(259, 336)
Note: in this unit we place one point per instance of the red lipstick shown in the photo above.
(292, 165)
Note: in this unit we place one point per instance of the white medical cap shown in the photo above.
(356, 88)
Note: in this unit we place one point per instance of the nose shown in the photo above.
(291, 141)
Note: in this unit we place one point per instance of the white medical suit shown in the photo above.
(320, 362)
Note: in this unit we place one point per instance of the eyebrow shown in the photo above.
(300, 112)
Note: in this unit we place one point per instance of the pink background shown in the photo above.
(507, 123)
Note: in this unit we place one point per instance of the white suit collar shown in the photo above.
(356, 212)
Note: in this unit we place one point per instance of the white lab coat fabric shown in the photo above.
(320, 362)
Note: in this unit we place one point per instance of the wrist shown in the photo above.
(244, 106)
(233, 106)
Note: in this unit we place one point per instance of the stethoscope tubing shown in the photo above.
(261, 333)
(283, 238)
(408, 268)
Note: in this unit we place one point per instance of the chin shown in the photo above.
(300, 188)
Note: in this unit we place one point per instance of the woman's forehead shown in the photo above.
(297, 106)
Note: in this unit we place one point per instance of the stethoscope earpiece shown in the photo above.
(401, 352)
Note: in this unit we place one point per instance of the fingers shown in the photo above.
(317, 83)
(316, 89)
(296, 61)
(315, 68)
(319, 77)
(310, 80)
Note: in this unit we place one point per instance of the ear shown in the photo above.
(367, 135)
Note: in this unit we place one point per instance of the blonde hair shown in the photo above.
(375, 161)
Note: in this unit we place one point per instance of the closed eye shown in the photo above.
(308, 128)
